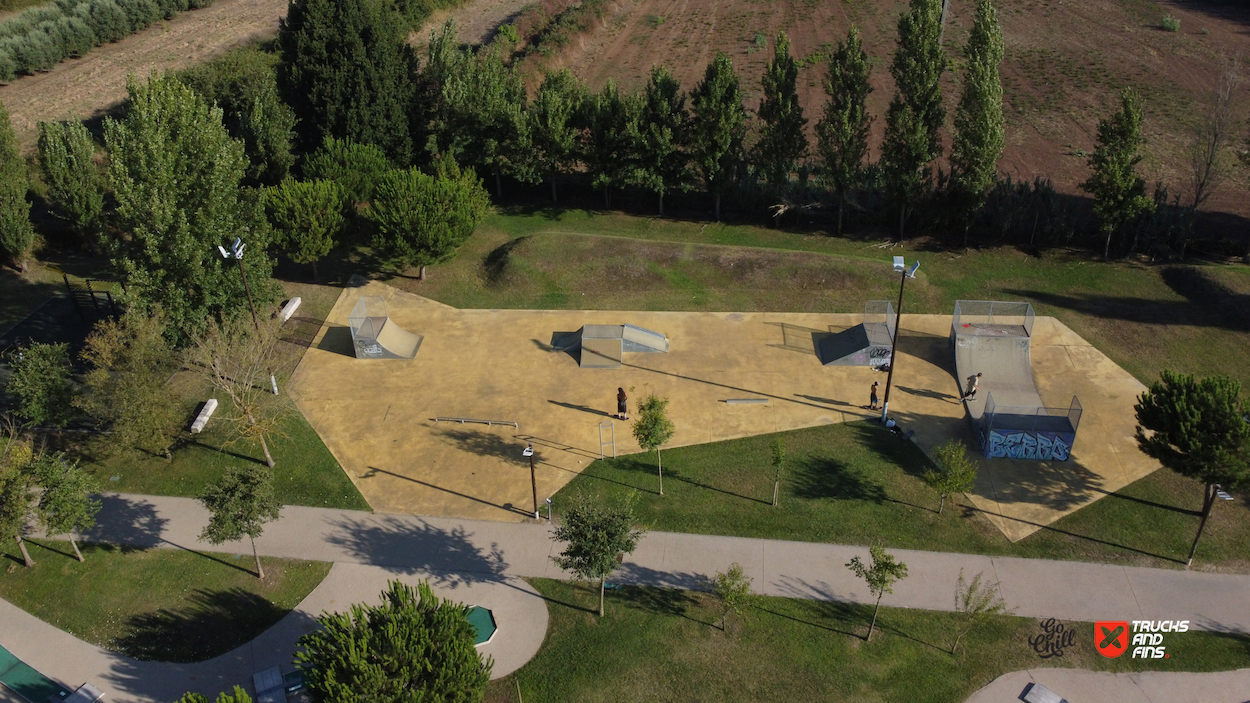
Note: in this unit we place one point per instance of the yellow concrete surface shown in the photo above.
(377, 416)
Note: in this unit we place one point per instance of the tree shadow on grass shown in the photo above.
(815, 477)
(666, 601)
(968, 511)
(213, 622)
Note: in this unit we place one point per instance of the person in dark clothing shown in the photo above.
(621, 400)
(872, 404)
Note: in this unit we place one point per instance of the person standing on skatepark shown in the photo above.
(872, 397)
(621, 400)
(971, 393)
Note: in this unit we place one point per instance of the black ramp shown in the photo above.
(836, 347)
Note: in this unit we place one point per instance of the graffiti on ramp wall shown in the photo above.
(1022, 444)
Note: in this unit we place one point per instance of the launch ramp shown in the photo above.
(866, 344)
(603, 346)
(376, 336)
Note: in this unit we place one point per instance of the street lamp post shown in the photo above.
(236, 252)
(529, 452)
(900, 268)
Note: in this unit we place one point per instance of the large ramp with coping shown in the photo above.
(993, 338)
(376, 336)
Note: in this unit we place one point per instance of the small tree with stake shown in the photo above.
(16, 499)
(779, 466)
(241, 502)
(653, 428)
(597, 536)
(732, 589)
(956, 471)
(975, 602)
(880, 577)
(66, 503)
(1198, 429)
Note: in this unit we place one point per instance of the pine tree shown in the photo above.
(609, 139)
(663, 136)
(979, 118)
(66, 152)
(421, 219)
(915, 116)
(16, 234)
(307, 218)
(782, 141)
(553, 124)
(718, 127)
(1119, 192)
(842, 134)
(175, 173)
(347, 71)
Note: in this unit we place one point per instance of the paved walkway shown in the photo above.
(1080, 686)
(367, 548)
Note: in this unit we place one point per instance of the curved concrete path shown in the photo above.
(1080, 686)
(520, 612)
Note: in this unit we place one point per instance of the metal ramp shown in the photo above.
(603, 346)
(376, 336)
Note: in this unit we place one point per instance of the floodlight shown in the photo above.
(224, 253)
(898, 264)
(528, 451)
(238, 250)
(915, 267)
(1223, 495)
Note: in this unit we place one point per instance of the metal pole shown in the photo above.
(249, 292)
(898, 327)
(534, 485)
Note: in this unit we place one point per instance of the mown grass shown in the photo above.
(664, 645)
(857, 483)
(155, 604)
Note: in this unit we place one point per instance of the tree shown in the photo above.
(127, 387)
(347, 68)
(609, 144)
(842, 133)
(1197, 428)
(779, 465)
(596, 536)
(357, 168)
(42, 384)
(413, 647)
(975, 603)
(718, 127)
(238, 358)
(782, 141)
(553, 124)
(956, 471)
(880, 577)
(66, 158)
(421, 219)
(17, 502)
(175, 173)
(979, 118)
(66, 504)
(1119, 192)
(238, 695)
(16, 234)
(733, 592)
(653, 428)
(1209, 160)
(915, 116)
(663, 136)
(307, 218)
(484, 123)
(240, 503)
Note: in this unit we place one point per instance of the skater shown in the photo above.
(971, 393)
(621, 400)
(872, 396)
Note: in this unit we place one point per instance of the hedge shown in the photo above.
(42, 37)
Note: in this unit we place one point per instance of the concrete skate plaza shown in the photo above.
(377, 416)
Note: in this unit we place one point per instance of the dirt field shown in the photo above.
(89, 86)
(1065, 64)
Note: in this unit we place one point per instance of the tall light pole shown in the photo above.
(236, 252)
(529, 453)
(901, 269)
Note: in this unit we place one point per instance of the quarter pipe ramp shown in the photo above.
(376, 336)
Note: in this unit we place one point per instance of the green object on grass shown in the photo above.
(483, 622)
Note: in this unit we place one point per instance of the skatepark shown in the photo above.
(408, 430)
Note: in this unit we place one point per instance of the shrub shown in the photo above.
(1170, 24)
(358, 168)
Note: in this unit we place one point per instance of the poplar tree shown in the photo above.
(485, 117)
(718, 127)
(663, 129)
(66, 152)
(347, 72)
(979, 118)
(608, 145)
(782, 141)
(915, 116)
(1119, 192)
(16, 234)
(842, 133)
(553, 124)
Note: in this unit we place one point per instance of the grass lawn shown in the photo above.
(856, 483)
(157, 604)
(663, 645)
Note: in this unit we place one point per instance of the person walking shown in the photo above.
(621, 401)
(971, 393)
(872, 396)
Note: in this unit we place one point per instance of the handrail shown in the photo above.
(463, 420)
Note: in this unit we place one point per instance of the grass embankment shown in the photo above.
(662, 645)
(1146, 318)
(856, 483)
(157, 604)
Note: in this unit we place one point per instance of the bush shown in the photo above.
(358, 168)
(1170, 24)
(42, 385)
